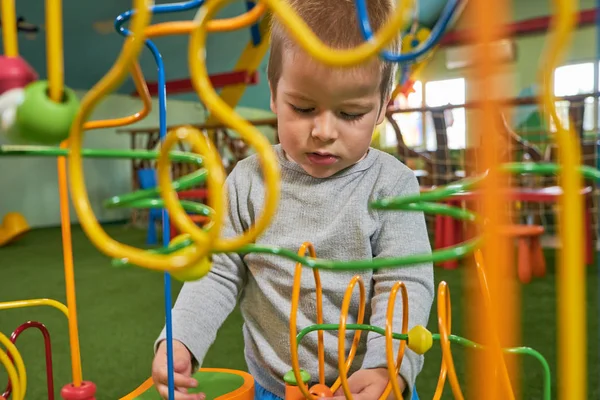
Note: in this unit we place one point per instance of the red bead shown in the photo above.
(86, 391)
(15, 73)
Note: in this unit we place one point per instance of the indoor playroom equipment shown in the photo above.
(14, 225)
(187, 258)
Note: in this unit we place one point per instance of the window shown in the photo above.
(411, 123)
(571, 80)
(417, 128)
(442, 93)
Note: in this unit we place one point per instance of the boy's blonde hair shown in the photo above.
(335, 22)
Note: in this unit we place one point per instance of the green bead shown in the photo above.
(42, 120)
(290, 378)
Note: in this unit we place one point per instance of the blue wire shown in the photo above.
(162, 117)
(158, 9)
(435, 36)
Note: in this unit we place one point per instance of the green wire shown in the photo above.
(147, 198)
(425, 202)
(547, 390)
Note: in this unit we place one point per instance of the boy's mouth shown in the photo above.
(320, 158)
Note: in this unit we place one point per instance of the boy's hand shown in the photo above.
(182, 372)
(368, 384)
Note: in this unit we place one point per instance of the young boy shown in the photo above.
(329, 175)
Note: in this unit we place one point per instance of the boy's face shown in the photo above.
(325, 117)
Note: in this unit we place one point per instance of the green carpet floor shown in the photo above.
(121, 312)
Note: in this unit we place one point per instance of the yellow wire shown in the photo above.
(12, 375)
(9, 28)
(252, 136)
(215, 182)
(81, 203)
(6, 305)
(248, 133)
(18, 377)
(305, 37)
(570, 277)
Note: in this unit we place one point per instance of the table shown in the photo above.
(448, 230)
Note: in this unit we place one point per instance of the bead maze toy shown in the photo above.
(187, 257)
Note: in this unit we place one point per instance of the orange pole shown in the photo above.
(65, 220)
(491, 145)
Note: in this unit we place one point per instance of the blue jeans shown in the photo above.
(260, 393)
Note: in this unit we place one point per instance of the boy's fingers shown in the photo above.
(180, 380)
(163, 390)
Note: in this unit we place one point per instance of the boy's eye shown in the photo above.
(301, 110)
(351, 117)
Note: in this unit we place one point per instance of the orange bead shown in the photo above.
(319, 390)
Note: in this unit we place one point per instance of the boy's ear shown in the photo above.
(272, 104)
(384, 106)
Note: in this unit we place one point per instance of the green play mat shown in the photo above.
(213, 384)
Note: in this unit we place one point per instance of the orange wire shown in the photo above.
(321, 345)
(439, 390)
(217, 25)
(69, 269)
(293, 315)
(487, 302)
(344, 365)
(444, 315)
(142, 89)
(389, 344)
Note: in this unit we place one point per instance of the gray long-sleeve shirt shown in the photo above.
(333, 214)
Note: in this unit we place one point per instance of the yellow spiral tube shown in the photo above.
(109, 82)
(203, 240)
(18, 375)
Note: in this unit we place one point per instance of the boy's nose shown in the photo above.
(324, 127)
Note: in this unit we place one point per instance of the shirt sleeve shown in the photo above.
(401, 233)
(203, 305)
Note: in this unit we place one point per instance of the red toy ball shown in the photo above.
(15, 73)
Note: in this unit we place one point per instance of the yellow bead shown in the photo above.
(412, 41)
(419, 339)
(407, 42)
(423, 34)
(193, 272)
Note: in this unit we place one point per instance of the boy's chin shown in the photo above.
(320, 172)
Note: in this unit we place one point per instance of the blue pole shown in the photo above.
(162, 117)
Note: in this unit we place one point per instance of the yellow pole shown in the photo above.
(491, 146)
(9, 28)
(570, 273)
(54, 48)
